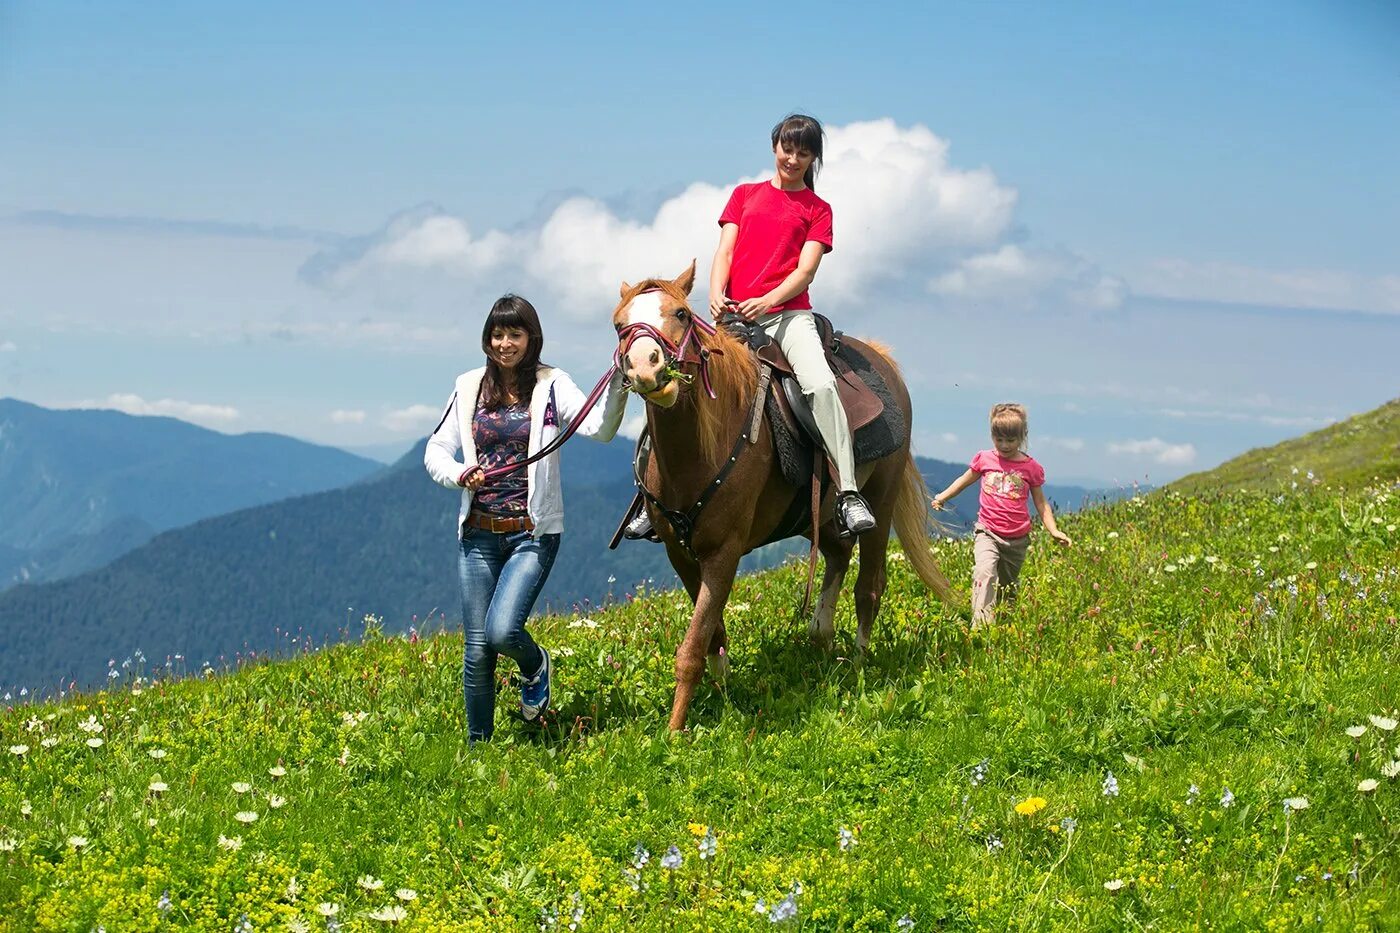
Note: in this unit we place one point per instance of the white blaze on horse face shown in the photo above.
(645, 357)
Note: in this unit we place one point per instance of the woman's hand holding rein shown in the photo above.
(472, 478)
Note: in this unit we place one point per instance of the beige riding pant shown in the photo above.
(796, 333)
(996, 563)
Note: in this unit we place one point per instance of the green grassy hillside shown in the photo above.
(1157, 734)
(1349, 454)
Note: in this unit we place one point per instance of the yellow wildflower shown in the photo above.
(697, 829)
(1030, 806)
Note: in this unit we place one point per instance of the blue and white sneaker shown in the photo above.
(534, 692)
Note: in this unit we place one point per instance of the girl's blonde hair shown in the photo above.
(1009, 421)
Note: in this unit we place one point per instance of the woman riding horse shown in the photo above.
(714, 486)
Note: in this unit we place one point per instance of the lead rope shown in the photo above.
(508, 468)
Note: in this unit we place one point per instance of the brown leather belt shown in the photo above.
(498, 525)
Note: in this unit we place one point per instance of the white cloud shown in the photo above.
(343, 416)
(904, 216)
(1284, 421)
(1014, 276)
(1157, 449)
(197, 412)
(417, 418)
(8, 346)
(1320, 289)
(1074, 444)
(632, 427)
(948, 437)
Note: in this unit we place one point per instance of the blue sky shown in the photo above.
(1175, 239)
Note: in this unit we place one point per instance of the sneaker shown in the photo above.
(534, 692)
(639, 527)
(855, 513)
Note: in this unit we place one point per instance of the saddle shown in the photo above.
(860, 401)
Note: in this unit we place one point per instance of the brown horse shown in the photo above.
(694, 439)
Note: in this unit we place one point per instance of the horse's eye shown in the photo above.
(680, 314)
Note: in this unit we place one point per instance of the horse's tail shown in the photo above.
(911, 523)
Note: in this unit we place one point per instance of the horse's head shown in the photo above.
(656, 331)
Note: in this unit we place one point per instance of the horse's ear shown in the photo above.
(622, 292)
(687, 280)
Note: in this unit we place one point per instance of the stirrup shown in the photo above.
(853, 515)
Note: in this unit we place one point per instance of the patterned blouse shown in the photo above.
(502, 436)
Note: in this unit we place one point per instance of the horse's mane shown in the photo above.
(733, 374)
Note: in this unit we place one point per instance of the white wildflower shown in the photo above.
(391, 914)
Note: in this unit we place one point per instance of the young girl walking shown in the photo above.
(1003, 527)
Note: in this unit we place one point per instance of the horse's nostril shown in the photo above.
(655, 357)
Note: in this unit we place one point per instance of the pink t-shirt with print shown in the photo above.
(1006, 491)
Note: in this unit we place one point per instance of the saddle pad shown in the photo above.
(874, 439)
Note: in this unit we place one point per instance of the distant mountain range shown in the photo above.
(310, 567)
(83, 487)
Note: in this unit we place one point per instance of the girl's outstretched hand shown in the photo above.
(1061, 538)
(936, 504)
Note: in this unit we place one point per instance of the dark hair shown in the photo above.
(511, 311)
(799, 131)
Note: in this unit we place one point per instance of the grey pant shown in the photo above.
(996, 563)
(796, 334)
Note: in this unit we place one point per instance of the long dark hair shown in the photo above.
(799, 131)
(511, 311)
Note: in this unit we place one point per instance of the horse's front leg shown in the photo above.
(716, 580)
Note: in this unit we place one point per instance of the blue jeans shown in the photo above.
(501, 575)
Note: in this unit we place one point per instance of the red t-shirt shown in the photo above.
(773, 227)
(1003, 507)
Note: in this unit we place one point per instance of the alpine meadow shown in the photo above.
(1188, 720)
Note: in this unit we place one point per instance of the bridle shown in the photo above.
(688, 351)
